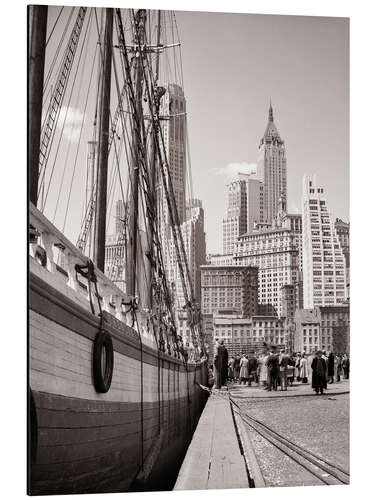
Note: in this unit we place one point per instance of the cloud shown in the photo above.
(70, 121)
(233, 169)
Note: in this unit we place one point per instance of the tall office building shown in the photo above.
(255, 205)
(324, 280)
(272, 168)
(235, 222)
(173, 114)
(244, 209)
(194, 239)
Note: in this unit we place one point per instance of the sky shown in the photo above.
(233, 64)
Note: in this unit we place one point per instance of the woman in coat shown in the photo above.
(262, 367)
(244, 369)
(303, 369)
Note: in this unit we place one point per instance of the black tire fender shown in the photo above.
(102, 381)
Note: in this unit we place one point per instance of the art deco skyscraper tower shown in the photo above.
(272, 168)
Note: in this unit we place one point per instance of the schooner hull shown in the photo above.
(83, 441)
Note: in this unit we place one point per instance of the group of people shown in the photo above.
(272, 369)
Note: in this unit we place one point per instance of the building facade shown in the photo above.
(173, 110)
(231, 289)
(276, 253)
(235, 222)
(245, 335)
(272, 168)
(326, 328)
(343, 230)
(324, 277)
(194, 238)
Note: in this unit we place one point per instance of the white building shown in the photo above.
(324, 280)
(276, 252)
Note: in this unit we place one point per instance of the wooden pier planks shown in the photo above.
(213, 460)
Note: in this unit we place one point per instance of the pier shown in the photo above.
(251, 438)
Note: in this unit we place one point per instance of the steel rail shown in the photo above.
(313, 463)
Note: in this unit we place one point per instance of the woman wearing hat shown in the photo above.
(319, 372)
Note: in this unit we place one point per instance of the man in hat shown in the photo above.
(319, 369)
(273, 369)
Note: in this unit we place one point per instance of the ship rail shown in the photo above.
(58, 256)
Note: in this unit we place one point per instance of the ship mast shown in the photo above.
(160, 91)
(37, 49)
(102, 168)
(131, 260)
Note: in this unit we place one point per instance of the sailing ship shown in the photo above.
(114, 391)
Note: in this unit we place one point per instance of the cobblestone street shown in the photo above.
(317, 423)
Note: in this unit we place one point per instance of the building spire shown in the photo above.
(270, 112)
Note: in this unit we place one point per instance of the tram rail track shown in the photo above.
(327, 472)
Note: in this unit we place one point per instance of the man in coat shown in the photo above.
(331, 367)
(218, 364)
(319, 369)
(273, 369)
(224, 367)
(253, 366)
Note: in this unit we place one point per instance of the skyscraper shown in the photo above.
(324, 280)
(272, 168)
(173, 115)
(235, 223)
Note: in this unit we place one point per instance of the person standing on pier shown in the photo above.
(224, 367)
(273, 370)
(253, 366)
(231, 369)
(331, 367)
(244, 369)
(236, 367)
(346, 365)
(218, 364)
(319, 370)
(283, 367)
(303, 369)
(262, 369)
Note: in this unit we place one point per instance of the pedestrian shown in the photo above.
(253, 366)
(303, 369)
(262, 369)
(283, 368)
(297, 368)
(224, 367)
(346, 366)
(231, 369)
(330, 367)
(319, 373)
(218, 364)
(273, 369)
(338, 367)
(236, 367)
(244, 369)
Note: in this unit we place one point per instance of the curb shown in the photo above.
(252, 465)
